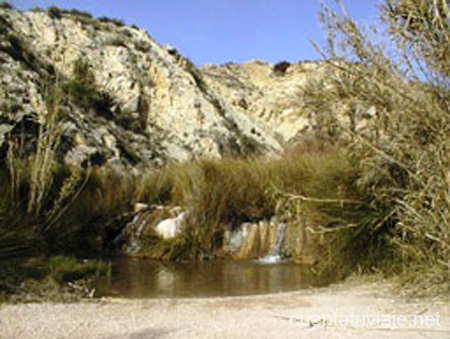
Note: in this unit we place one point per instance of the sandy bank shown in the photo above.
(300, 314)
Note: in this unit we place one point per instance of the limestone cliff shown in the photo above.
(268, 93)
(150, 103)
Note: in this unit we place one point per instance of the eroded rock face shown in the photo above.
(150, 103)
(271, 96)
(161, 108)
(277, 97)
(253, 240)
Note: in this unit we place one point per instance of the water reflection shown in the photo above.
(133, 278)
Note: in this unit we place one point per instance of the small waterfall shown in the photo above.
(275, 257)
(140, 224)
(281, 231)
(132, 232)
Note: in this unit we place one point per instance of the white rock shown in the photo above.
(170, 228)
(140, 207)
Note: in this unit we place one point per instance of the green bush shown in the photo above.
(281, 67)
(115, 21)
(57, 278)
(79, 13)
(37, 9)
(64, 269)
(54, 12)
(83, 90)
(6, 5)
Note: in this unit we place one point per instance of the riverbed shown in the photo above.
(282, 315)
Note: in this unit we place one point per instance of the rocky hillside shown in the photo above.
(129, 101)
(268, 93)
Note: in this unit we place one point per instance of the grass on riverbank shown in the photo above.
(57, 278)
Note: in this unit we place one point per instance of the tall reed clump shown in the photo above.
(36, 190)
(94, 216)
(44, 204)
(47, 142)
(396, 98)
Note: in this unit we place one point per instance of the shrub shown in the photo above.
(281, 67)
(115, 21)
(142, 46)
(402, 150)
(21, 50)
(64, 269)
(79, 13)
(54, 12)
(118, 41)
(83, 90)
(36, 191)
(6, 5)
(56, 278)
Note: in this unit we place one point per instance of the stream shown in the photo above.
(140, 278)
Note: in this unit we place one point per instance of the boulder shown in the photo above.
(170, 228)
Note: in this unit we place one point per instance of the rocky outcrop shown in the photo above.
(130, 102)
(170, 228)
(145, 103)
(289, 99)
(269, 93)
(147, 222)
(154, 103)
(250, 240)
(151, 229)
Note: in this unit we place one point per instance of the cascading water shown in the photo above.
(275, 257)
(133, 232)
(281, 231)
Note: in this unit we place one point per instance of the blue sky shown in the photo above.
(219, 31)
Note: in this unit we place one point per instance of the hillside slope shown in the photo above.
(148, 104)
(268, 93)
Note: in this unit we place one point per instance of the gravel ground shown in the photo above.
(315, 313)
